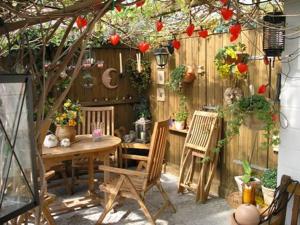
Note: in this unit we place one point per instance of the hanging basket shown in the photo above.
(241, 58)
(253, 123)
(189, 76)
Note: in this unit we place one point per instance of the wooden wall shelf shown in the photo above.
(185, 131)
(109, 102)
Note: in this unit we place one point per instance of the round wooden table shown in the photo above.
(86, 147)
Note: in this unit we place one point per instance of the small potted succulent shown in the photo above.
(269, 183)
(181, 115)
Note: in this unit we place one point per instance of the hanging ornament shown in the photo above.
(159, 25)
(118, 8)
(140, 3)
(262, 89)
(266, 60)
(235, 29)
(242, 67)
(143, 46)
(81, 22)
(203, 33)
(176, 44)
(233, 37)
(115, 39)
(226, 13)
(190, 29)
(224, 2)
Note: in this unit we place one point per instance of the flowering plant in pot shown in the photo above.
(66, 120)
(269, 183)
(181, 74)
(181, 115)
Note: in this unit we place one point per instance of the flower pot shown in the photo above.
(65, 132)
(253, 123)
(248, 193)
(179, 125)
(268, 194)
(239, 182)
(189, 75)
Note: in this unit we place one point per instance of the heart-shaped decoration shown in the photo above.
(81, 22)
(190, 29)
(242, 67)
(266, 60)
(203, 33)
(233, 37)
(224, 2)
(262, 89)
(118, 8)
(140, 3)
(235, 29)
(143, 46)
(176, 44)
(115, 39)
(226, 13)
(159, 25)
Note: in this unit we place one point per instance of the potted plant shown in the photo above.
(181, 115)
(176, 77)
(269, 183)
(246, 177)
(67, 120)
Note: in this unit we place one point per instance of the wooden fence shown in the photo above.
(208, 90)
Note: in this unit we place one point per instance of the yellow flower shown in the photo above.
(231, 53)
(67, 104)
(72, 123)
(64, 115)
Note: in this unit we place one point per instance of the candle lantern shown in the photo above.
(18, 179)
(142, 130)
(161, 55)
(273, 34)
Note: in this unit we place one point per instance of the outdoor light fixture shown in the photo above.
(273, 34)
(161, 55)
(18, 179)
(142, 130)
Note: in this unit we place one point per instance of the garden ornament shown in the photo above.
(50, 141)
(106, 78)
(232, 94)
(65, 142)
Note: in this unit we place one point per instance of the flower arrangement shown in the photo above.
(70, 114)
(231, 62)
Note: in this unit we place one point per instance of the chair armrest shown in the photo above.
(123, 171)
(135, 157)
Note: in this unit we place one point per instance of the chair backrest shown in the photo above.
(157, 151)
(92, 115)
(202, 130)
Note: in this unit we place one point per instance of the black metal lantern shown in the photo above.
(273, 34)
(161, 55)
(18, 180)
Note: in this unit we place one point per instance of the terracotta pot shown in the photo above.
(179, 125)
(253, 123)
(248, 194)
(245, 215)
(65, 132)
(268, 194)
(189, 75)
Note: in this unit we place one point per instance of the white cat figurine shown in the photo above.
(65, 142)
(50, 141)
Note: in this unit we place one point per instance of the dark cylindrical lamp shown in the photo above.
(161, 55)
(273, 34)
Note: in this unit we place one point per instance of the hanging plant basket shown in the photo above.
(189, 76)
(253, 123)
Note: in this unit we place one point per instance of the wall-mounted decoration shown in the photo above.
(87, 81)
(106, 78)
(160, 77)
(18, 178)
(161, 95)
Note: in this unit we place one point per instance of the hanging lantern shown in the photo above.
(273, 34)
(161, 55)
(18, 178)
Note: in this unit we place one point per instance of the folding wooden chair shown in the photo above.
(134, 184)
(198, 148)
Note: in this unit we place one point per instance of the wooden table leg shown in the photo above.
(91, 174)
(106, 162)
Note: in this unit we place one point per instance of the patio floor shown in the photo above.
(214, 212)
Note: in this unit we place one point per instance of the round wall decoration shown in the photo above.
(106, 78)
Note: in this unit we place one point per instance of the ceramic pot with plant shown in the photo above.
(66, 120)
(181, 115)
(189, 74)
(269, 183)
(176, 77)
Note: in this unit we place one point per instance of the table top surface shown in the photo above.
(83, 144)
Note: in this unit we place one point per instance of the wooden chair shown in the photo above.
(135, 184)
(198, 147)
(90, 116)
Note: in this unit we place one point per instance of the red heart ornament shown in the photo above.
(226, 13)
(233, 37)
(115, 39)
(235, 29)
(242, 67)
(176, 44)
(143, 46)
(190, 29)
(118, 8)
(203, 33)
(159, 25)
(262, 89)
(140, 3)
(266, 60)
(224, 2)
(81, 22)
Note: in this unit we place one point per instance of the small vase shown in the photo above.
(248, 194)
(179, 125)
(65, 132)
